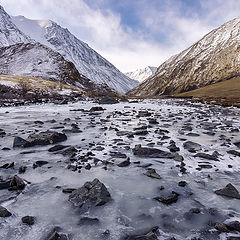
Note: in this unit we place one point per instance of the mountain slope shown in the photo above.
(40, 61)
(87, 61)
(212, 59)
(9, 33)
(142, 74)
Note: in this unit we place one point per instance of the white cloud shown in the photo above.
(125, 47)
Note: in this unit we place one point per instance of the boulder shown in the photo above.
(29, 220)
(140, 151)
(124, 163)
(172, 198)
(45, 138)
(17, 183)
(152, 235)
(20, 142)
(192, 146)
(4, 212)
(91, 194)
(152, 173)
(228, 191)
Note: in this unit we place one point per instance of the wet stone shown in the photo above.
(29, 220)
(4, 212)
(172, 198)
(152, 173)
(228, 191)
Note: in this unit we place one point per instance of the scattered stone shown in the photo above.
(17, 183)
(96, 109)
(228, 191)
(91, 194)
(8, 165)
(234, 152)
(222, 227)
(20, 142)
(124, 163)
(22, 169)
(172, 198)
(57, 148)
(152, 235)
(4, 212)
(152, 173)
(68, 190)
(29, 220)
(206, 156)
(39, 164)
(140, 151)
(88, 221)
(192, 146)
(182, 184)
(45, 138)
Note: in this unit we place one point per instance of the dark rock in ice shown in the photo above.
(17, 183)
(7, 165)
(228, 191)
(57, 148)
(39, 164)
(233, 238)
(20, 142)
(234, 226)
(68, 151)
(234, 152)
(5, 184)
(237, 144)
(96, 109)
(91, 194)
(221, 227)
(88, 221)
(29, 220)
(118, 155)
(151, 235)
(172, 198)
(4, 212)
(124, 163)
(172, 147)
(56, 236)
(144, 114)
(178, 158)
(68, 190)
(108, 100)
(206, 156)
(182, 184)
(140, 132)
(192, 146)
(152, 173)
(45, 138)
(140, 151)
(88, 166)
(22, 169)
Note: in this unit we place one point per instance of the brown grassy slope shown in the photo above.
(226, 89)
(224, 93)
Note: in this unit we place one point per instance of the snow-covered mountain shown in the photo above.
(142, 74)
(40, 61)
(216, 57)
(87, 61)
(9, 33)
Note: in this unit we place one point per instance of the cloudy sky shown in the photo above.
(132, 34)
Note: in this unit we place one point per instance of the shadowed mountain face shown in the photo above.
(37, 60)
(212, 59)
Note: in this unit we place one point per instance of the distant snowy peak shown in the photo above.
(9, 33)
(142, 74)
(87, 61)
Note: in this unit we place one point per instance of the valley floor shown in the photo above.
(200, 154)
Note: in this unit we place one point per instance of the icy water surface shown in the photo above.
(133, 209)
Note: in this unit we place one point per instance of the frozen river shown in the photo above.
(201, 139)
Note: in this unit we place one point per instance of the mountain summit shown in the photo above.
(212, 59)
(87, 61)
